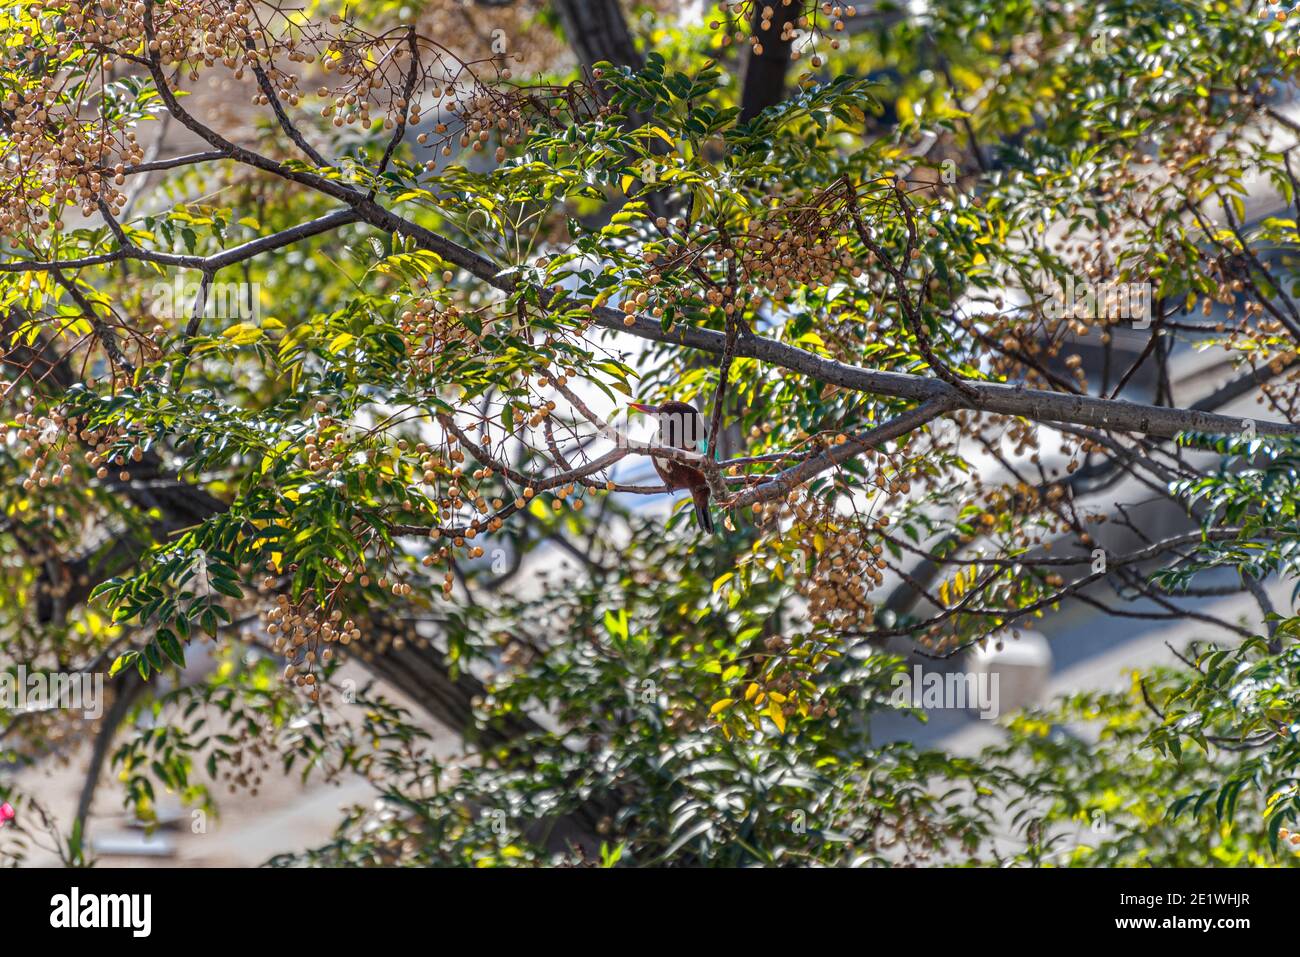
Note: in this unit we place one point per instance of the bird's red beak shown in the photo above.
(642, 407)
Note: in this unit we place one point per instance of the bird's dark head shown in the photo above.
(670, 408)
(680, 425)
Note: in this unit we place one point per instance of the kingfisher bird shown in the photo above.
(682, 427)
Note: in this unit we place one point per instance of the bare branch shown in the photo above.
(796, 475)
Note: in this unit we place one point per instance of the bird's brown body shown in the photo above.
(681, 427)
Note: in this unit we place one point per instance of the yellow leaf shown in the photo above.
(243, 333)
(699, 203)
(778, 718)
(971, 80)
(342, 341)
(721, 705)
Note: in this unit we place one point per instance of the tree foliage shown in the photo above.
(337, 380)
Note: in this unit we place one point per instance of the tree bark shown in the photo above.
(128, 689)
(597, 30)
(763, 84)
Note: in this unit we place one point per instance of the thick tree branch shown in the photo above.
(1039, 405)
(207, 264)
(795, 476)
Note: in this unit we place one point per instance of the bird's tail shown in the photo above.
(700, 495)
